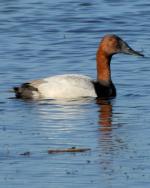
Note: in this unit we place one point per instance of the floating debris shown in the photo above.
(26, 153)
(73, 149)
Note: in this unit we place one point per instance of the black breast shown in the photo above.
(104, 91)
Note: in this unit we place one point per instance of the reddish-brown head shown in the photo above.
(112, 44)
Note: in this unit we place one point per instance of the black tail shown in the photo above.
(25, 91)
(17, 92)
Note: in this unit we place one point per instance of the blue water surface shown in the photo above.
(39, 38)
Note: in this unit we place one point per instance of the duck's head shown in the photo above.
(112, 44)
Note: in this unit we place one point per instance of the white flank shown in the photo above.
(66, 86)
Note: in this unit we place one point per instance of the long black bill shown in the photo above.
(125, 48)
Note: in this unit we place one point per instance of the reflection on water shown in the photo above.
(105, 115)
(110, 144)
(75, 117)
(63, 109)
(76, 107)
(107, 126)
(69, 132)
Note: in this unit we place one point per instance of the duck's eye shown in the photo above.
(111, 39)
(118, 46)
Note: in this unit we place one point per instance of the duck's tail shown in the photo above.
(18, 92)
(26, 91)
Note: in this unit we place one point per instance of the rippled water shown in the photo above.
(41, 38)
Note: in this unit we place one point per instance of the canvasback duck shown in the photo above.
(76, 86)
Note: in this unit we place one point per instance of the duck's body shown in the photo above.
(65, 86)
(77, 86)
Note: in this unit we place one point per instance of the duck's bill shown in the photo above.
(128, 50)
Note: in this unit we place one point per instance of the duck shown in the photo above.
(73, 86)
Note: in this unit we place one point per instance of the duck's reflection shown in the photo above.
(107, 120)
(105, 114)
(110, 143)
(62, 117)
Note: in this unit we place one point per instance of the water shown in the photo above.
(42, 38)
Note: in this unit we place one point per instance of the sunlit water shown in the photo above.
(40, 38)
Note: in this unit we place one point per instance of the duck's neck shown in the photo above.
(103, 67)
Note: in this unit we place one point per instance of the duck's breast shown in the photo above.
(66, 86)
